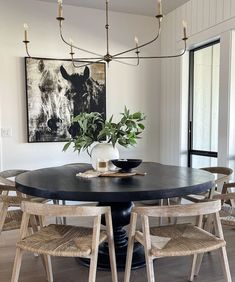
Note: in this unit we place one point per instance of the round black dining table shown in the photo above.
(157, 182)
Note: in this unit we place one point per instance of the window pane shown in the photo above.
(206, 98)
(201, 161)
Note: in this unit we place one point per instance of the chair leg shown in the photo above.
(127, 275)
(3, 214)
(198, 264)
(178, 202)
(48, 267)
(160, 218)
(208, 225)
(149, 268)
(17, 265)
(193, 268)
(42, 222)
(64, 218)
(131, 241)
(168, 204)
(58, 220)
(112, 259)
(93, 266)
(225, 264)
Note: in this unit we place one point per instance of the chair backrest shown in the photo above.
(211, 208)
(228, 196)
(11, 173)
(30, 209)
(229, 187)
(223, 174)
(60, 210)
(197, 209)
(228, 193)
(7, 184)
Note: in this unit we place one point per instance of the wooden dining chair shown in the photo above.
(227, 213)
(176, 240)
(222, 174)
(10, 199)
(65, 240)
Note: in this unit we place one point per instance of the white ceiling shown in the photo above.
(139, 7)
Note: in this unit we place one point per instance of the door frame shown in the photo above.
(191, 151)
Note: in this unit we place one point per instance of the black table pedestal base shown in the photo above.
(138, 259)
(120, 217)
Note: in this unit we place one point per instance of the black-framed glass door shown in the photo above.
(204, 105)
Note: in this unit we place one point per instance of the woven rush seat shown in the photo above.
(13, 201)
(183, 240)
(13, 220)
(61, 240)
(227, 215)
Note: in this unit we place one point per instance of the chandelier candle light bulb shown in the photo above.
(184, 29)
(26, 27)
(159, 7)
(136, 41)
(60, 8)
(71, 46)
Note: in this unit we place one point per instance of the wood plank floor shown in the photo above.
(67, 270)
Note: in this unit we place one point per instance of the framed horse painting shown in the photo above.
(56, 92)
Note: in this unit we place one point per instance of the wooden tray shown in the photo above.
(92, 173)
(120, 174)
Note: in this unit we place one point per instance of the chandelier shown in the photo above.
(121, 57)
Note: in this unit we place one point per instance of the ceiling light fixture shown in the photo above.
(120, 57)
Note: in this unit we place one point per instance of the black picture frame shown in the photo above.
(56, 92)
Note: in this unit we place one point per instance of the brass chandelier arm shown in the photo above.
(83, 61)
(117, 59)
(144, 44)
(74, 46)
(102, 60)
(158, 57)
(128, 64)
(84, 65)
(26, 42)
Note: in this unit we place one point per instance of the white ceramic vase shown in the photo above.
(104, 152)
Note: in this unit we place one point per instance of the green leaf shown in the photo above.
(66, 146)
(136, 115)
(141, 126)
(110, 120)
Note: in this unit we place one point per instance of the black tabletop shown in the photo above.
(161, 181)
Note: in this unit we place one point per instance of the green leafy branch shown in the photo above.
(87, 128)
(126, 131)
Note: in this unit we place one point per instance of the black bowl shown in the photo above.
(126, 165)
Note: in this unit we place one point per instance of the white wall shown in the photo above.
(137, 88)
(207, 20)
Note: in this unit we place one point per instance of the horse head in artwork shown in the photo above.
(54, 113)
(86, 94)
